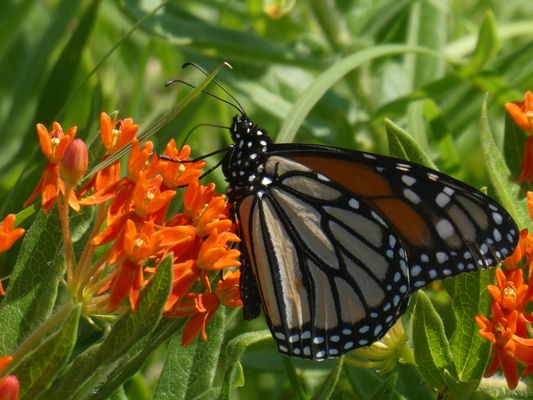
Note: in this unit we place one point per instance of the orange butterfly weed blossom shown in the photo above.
(509, 326)
(133, 226)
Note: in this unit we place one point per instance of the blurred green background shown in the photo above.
(69, 60)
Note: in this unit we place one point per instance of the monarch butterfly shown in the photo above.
(335, 241)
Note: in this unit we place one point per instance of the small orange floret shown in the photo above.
(8, 233)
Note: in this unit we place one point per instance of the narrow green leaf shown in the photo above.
(38, 369)
(488, 45)
(32, 290)
(470, 352)
(132, 328)
(514, 140)
(507, 190)
(189, 371)
(235, 348)
(328, 386)
(62, 76)
(332, 75)
(402, 145)
(431, 348)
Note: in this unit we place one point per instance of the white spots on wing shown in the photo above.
(333, 352)
(432, 176)
(442, 199)
(323, 178)
(411, 196)
(432, 273)
(448, 190)
(283, 348)
(306, 335)
(364, 329)
(497, 217)
(348, 345)
(265, 181)
(442, 257)
(318, 340)
(403, 167)
(416, 270)
(369, 156)
(334, 338)
(424, 258)
(280, 335)
(408, 180)
(320, 354)
(444, 229)
(346, 331)
(294, 338)
(354, 204)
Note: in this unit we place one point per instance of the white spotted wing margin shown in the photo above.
(338, 240)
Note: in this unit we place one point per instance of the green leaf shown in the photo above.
(507, 190)
(488, 45)
(386, 390)
(332, 75)
(63, 74)
(469, 351)
(402, 145)
(432, 351)
(37, 370)
(189, 371)
(328, 386)
(33, 287)
(236, 347)
(514, 139)
(129, 330)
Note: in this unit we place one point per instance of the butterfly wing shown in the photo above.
(337, 241)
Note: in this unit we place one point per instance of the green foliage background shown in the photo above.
(327, 72)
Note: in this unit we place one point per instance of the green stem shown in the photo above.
(293, 378)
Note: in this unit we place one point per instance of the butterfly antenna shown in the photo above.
(172, 81)
(203, 71)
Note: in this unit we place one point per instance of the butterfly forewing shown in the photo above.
(337, 240)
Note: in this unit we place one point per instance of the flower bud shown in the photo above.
(9, 388)
(74, 162)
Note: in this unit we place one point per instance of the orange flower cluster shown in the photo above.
(522, 113)
(508, 327)
(133, 228)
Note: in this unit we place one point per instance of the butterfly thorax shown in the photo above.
(244, 163)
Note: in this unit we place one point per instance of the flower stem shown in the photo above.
(67, 240)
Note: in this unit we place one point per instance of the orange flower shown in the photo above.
(9, 234)
(202, 307)
(511, 294)
(148, 198)
(53, 145)
(500, 332)
(522, 113)
(135, 247)
(207, 211)
(116, 133)
(176, 174)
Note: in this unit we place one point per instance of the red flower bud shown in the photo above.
(74, 162)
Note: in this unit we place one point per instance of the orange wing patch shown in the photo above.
(366, 183)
